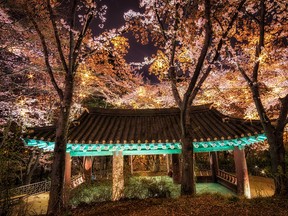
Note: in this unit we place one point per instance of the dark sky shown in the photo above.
(115, 12)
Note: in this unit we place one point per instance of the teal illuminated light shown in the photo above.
(147, 148)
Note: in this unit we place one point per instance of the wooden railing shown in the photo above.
(203, 173)
(227, 179)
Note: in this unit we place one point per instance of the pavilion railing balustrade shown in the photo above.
(35, 188)
(227, 179)
(41, 187)
(227, 176)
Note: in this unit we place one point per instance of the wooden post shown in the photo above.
(67, 178)
(176, 169)
(131, 164)
(167, 163)
(117, 176)
(87, 164)
(243, 186)
(214, 165)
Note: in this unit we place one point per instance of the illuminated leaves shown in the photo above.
(160, 65)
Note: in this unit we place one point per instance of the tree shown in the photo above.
(264, 71)
(64, 38)
(23, 83)
(190, 35)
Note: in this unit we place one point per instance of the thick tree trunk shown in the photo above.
(188, 178)
(279, 170)
(176, 169)
(156, 167)
(213, 158)
(56, 196)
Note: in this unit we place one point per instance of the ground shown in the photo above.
(201, 205)
(260, 186)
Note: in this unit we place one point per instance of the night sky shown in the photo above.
(137, 52)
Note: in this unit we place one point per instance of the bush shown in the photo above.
(97, 192)
(135, 188)
(145, 187)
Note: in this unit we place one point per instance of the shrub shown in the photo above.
(145, 187)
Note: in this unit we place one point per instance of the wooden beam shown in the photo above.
(117, 176)
(243, 186)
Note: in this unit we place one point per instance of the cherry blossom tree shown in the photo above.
(24, 85)
(189, 36)
(260, 54)
(63, 36)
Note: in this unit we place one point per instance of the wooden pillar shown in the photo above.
(67, 176)
(167, 163)
(67, 179)
(176, 169)
(87, 165)
(214, 165)
(243, 186)
(131, 164)
(117, 176)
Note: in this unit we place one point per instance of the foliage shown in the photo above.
(145, 187)
(89, 193)
(27, 94)
(135, 188)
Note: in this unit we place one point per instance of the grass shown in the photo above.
(138, 187)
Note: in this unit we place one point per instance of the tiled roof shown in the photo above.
(150, 126)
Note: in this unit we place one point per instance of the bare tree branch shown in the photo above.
(57, 37)
(82, 35)
(46, 56)
(172, 73)
(160, 23)
(261, 42)
(204, 50)
(217, 53)
(71, 36)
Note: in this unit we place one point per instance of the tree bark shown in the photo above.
(56, 199)
(30, 169)
(188, 186)
(279, 169)
(176, 169)
(213, 157)
(156, 167)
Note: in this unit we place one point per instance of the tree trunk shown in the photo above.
(277, 154)
(56, 201)
(188, 178)
(30, 169)
(213, 158)
(156, 167)
(176, 169)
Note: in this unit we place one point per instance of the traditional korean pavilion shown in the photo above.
(119, 132)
